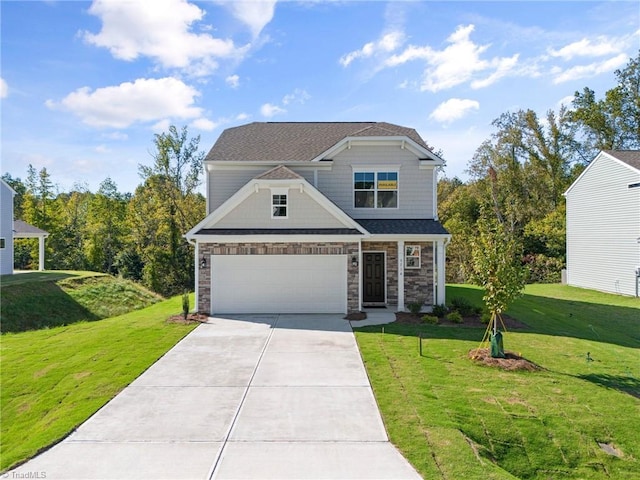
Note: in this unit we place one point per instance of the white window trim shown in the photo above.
(280, 191)
(408, 256)
(375, 170)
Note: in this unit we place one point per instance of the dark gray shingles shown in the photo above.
(279, 231)
(285, 142)
(403, 226)
(630, 157)
(21, 227)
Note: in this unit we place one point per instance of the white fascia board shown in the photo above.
(413, 237)
(401, 141)
(284, 238)
(241, 165)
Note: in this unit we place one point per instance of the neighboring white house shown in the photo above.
(6, 228)
(603, 224)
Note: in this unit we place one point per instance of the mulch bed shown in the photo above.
(409, 318)
(511, 361)
(356, 316)
(191, 318)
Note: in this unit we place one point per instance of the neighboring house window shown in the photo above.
(2, 242)
(375, 189)
(412, 256)
(279, 205)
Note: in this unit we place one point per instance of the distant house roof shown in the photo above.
(630, 157)
(279, 231)
(285, 142)
(22, 229)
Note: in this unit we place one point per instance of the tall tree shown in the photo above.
(614, 121)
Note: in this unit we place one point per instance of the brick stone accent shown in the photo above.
(418, 283)
(315, 248)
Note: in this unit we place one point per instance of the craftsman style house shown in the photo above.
(319, 217)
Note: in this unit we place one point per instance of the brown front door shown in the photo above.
(373, 277)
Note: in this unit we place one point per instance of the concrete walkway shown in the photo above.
(252, 397)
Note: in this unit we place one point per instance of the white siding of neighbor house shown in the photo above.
(255, 212)
(6, 228)
(415, 186)
(603, 227)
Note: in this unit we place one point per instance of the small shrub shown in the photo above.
(463, 306)
(440, 310)
(414, 307)
(185, 305)
(485, 318)
(454, 317)
(431, 319)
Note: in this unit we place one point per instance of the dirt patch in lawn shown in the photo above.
(409, 318)
(511, 361)
(356, 316)
(191, 318)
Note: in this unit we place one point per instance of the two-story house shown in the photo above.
(319, 217)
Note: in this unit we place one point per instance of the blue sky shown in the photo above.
(85, 85)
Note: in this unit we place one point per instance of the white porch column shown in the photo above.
(41, 253)
(440, 278)
(196, 254)
(401, 275)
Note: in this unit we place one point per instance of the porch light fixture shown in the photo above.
(203, 263)
(354, 261)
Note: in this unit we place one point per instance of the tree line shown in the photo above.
(137, 236)
(519, 175)
(517, 180)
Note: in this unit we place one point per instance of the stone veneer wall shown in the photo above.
(418, 283)
(311, 248)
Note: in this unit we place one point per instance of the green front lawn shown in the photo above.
(455, 419)
(54, 379)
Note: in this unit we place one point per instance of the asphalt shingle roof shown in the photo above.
(279, 173)
(24, 228)
(285, 142)
(279, 231)
(403, 226)
(630, 157)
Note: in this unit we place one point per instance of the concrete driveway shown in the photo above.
(252, 397)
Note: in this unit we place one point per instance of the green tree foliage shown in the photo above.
(614, 121)
(497, 268)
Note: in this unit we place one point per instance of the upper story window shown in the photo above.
(375, 189)
(279, 206)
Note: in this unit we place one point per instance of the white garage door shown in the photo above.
(279, 283)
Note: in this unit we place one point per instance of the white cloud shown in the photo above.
(386, 44)
(243, 116)
(233, 81)
(204, 124)
(160, 30)
(144, 100)
(255, 14)
(565, 101)
(460, 62)
(269, 110)
(598, 47)
(297, 96)
(4, 88)
(453, 109)
(584, 71)
(102, 149)
(116, 136)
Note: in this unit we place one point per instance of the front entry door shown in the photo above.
(373, 277)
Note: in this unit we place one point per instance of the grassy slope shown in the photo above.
(454, 419)
(47, 299)
(54, 379)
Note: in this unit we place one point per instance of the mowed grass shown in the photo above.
(455, 419)
(54, 379)
(35, 300)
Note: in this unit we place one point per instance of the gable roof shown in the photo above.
(279, 173)
(630, 157)
(285, 142)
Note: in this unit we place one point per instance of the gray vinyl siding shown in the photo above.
(603, 228)
(415, 186)
(255, 212)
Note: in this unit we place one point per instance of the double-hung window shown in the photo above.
(279, 205)
(375, 189)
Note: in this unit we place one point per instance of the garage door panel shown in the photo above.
(279, 283)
